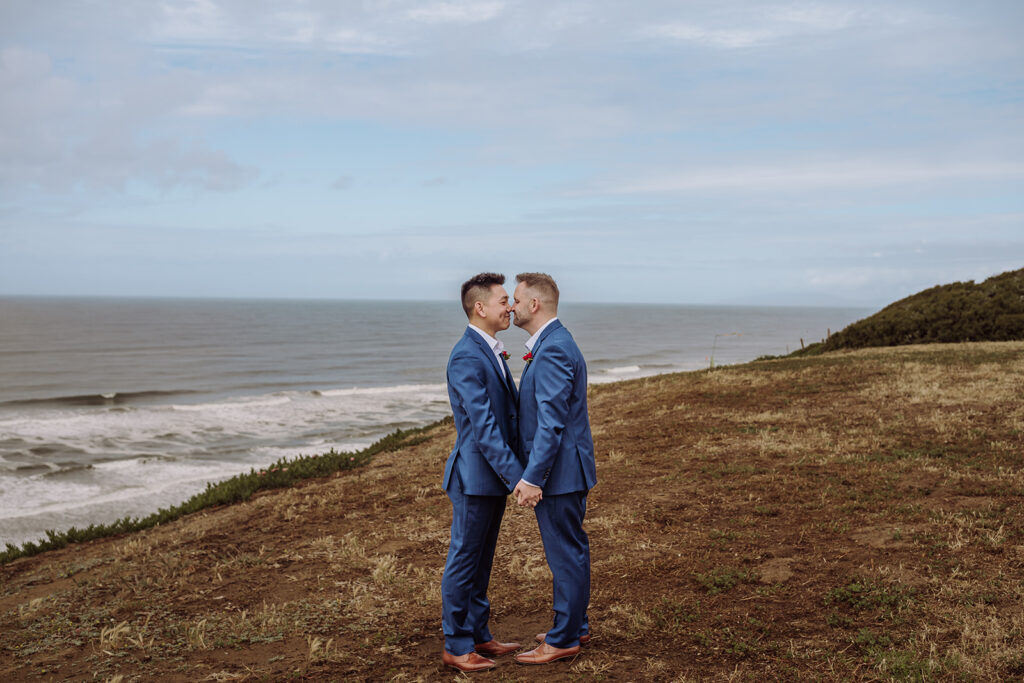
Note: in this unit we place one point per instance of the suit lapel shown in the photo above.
(493, 357)
(540, 340)
(557, 324)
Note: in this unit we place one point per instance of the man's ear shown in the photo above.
(534, 305)
(478, 306)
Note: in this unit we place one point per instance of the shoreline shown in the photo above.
(108, 513)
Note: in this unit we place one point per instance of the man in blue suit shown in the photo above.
(481, 471)
(554, 430)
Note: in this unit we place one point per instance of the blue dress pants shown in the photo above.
(567, 549)
(465, 608)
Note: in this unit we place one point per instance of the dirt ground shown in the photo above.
(855, 516)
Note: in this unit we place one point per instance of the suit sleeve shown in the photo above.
(553, 380)
(465, 376)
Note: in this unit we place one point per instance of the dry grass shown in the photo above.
(855, 516)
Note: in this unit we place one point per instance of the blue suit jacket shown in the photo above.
(554, 427)
(485, 460)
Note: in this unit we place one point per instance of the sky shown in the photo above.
(846, 152)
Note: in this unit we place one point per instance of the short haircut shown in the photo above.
(478, 288)
(543, 284)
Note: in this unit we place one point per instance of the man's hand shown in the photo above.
(527, 494)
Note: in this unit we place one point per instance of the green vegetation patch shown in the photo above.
(865, 595)
(672, 615)
(722, 579)
(953, 313)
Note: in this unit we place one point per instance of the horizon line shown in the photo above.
(185, 297)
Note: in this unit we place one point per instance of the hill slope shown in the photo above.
(855, 516)
(958, 312)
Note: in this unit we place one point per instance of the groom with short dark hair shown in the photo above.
(554, 430)
(481, 471)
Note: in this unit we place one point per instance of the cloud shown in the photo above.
(231, 26)
(343, 182)
(745, 29)
(842, 174)
(58, 134)
(712, 37)
(37, 105)
(193, 20)
(466, 12)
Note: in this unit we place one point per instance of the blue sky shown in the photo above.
(834, 153)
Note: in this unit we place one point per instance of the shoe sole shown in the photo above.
(556, 659)
(470, 671)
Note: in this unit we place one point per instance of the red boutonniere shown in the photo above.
(528, 357)
(504, 355)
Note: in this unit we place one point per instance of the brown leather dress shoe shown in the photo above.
(584, 639)
(493, 648)
(468, 662)
(544, 654)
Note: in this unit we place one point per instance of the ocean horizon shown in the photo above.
(118, 406)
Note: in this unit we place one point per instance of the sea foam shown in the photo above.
(63, 467)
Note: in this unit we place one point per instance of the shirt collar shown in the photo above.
(532, 341)
(495, 345)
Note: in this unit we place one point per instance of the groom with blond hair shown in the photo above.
(554, 433)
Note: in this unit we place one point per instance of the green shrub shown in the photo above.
(958, 312)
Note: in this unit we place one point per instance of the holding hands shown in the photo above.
(527, 494)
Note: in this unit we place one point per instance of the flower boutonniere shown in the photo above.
(528, 357)
(504, 355)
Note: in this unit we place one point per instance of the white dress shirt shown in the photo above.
(494, 344)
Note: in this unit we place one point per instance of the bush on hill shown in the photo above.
(957, 312)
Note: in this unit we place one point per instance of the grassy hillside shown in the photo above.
(958, 312)
(849, 516)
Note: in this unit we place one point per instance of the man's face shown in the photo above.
(522, 305)
(497, 309)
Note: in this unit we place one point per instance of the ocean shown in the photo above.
(118, 407)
